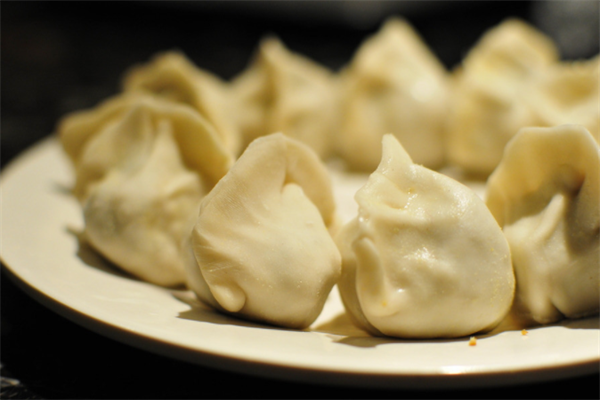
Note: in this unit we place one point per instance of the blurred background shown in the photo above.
(62, 56)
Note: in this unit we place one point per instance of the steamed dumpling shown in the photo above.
(172, 76)
(286, 92)
(141, 177)
(424, 258)
(393, 84)
(545, 195)
(568, 93)
(260, 248)
(488, 105)
(138, 215)
(98, 139)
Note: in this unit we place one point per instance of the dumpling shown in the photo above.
(424, 258)
(75, 129)
(172, 76)
(545, 195)
(286, 92)
(393, 84)
(488, 105)
(261, 248)
(568, 93)
(98, 139)
(140, 178)
(138, 215)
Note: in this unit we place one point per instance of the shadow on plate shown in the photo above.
(517, 320)
(203, 313)
(340, 329)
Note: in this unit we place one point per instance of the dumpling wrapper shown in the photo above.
(285, 92)
(138, 215)
(260, 248)
(568, 93)
(488, 105)
(173, 77)
(393, 84)
(96, 140)
(545, 195)
(424, 258)
(77, 128)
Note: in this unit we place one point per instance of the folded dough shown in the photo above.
(260, 248)
(142, 166)
(393, 84)
(285, 92)
(568, 93)
(98, 139)
(488, 105)
(172, 76)
(75, 129)
(424, 258)
(545, 195)
(139, 213)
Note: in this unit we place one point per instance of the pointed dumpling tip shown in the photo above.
(392, 150)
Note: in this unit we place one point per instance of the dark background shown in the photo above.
(59, 57)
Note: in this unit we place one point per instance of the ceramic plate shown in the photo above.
(41, 249)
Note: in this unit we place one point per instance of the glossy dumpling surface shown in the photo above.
(261, 248)
(545, 195)
(424, 258)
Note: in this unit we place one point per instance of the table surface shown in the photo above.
(62, 57)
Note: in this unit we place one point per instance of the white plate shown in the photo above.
(40, 247)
